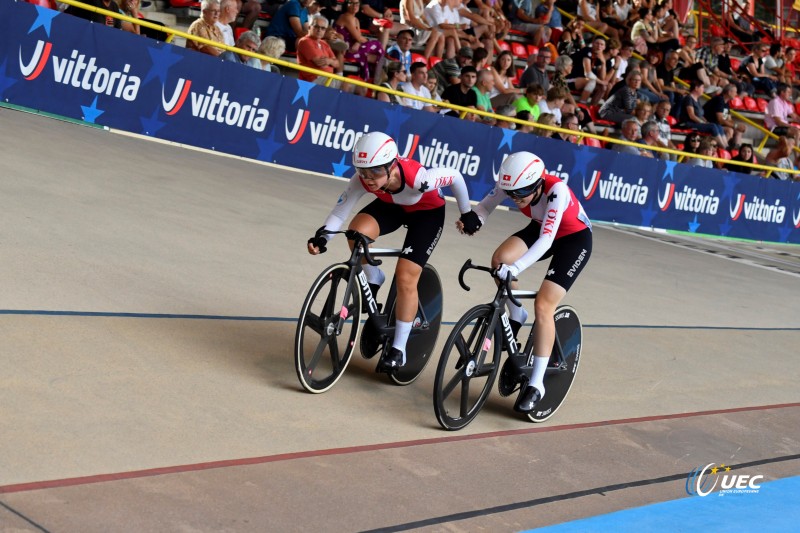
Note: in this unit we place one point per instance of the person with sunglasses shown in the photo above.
(559, 228)
(407, 194)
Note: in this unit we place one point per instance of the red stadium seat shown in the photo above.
(433, 60)
(734, 152)
(750, 103)
(761, 104)
(51, 4)
(504, 46)
(735, 62)
(671, 120)
(593, 110)
(519, 50)
(184, 3)
(716, 31)
(238, 33)
(722, 153)
(418, 58)
(532, 49)
(736, 103)
(590, 141)
(797, 108)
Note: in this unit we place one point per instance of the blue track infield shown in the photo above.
(774, 508)
(39, 312)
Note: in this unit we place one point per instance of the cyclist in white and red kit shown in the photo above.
(560, 229)
(409, 195)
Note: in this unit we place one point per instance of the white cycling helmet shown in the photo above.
(521, 173)
(374, 150)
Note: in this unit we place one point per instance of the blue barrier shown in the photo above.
(64, 65)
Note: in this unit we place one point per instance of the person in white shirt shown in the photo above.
(228, 11)
(417, 86)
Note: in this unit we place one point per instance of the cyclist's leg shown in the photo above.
(570, 255)
(424, 230)
(377, 218)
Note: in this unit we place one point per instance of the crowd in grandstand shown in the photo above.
(628, 78)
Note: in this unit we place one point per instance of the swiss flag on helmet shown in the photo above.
(506, 177)
(362, 155)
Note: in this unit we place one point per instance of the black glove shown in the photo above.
(319, 241)
(472, 222)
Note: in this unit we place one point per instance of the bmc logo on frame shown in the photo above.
(704, 479)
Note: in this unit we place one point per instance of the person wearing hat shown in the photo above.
(395, 75)
(448, 71)
(461, 93)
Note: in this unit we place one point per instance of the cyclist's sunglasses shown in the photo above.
(524, 192)
(372, 174)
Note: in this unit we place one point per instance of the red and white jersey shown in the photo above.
(421, 190)
(558, 211)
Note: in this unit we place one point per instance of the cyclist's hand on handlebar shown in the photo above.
(469, 223)
(318, 243)
(503, 271)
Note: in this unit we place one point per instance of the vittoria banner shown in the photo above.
(67, 66)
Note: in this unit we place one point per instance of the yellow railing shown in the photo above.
(463, 111)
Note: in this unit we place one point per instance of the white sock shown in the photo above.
(517, 313)
(374, 274)
(401, 332)
(539, 368)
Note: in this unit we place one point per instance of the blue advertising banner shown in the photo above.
(67, 66)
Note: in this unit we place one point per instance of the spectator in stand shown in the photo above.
(745, 155)
(433, 86)
(692, 115)
(651, 88)
(664, 130)
(668, 28)
(780, 157)
(775, 60)
(475, 24)
(480, 59)
(666, 73)
(206, 28)
(493, 10)
(708, 147)
(547, 119)
(569, 121)
(412, 14)
(98, 18)
(401, 50)
(589, 71)
(650, 138)
(780, 111)
(271, 47)
(692, 143)
(228, 13)
(483, 89)
(687, 54)
(461, 93)
(753, 67)
(289, 22)
(562, 70)
(443, 15)
(631, 132)
(524, 19)
(367, 53)
(620, 106)
(314, 52)
(617, 66)
(537, 71)
(608, 15)
(526, 116)
(718, 111)
(447, 71)
(131, 8)
(646, 34)
(643, 112)
(250, 10)
(395, 75)
(588, 10)
(790, 75)
(740, 26)
(727, 73)
(416, 86)
(377, 19)
(506, 111)
(553, 103)
(247, 41)
(571, 40)
(708, 57)
(529, 102)
(504, 91)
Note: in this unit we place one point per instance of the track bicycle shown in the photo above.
(330, 319)
(470, 360)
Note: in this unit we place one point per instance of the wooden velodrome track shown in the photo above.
(148, 295)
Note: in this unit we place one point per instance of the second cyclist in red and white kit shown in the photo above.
(560, 229)
(409, 195)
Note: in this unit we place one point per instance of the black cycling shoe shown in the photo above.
(528, 397)
(509, 379)
(391, 361)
